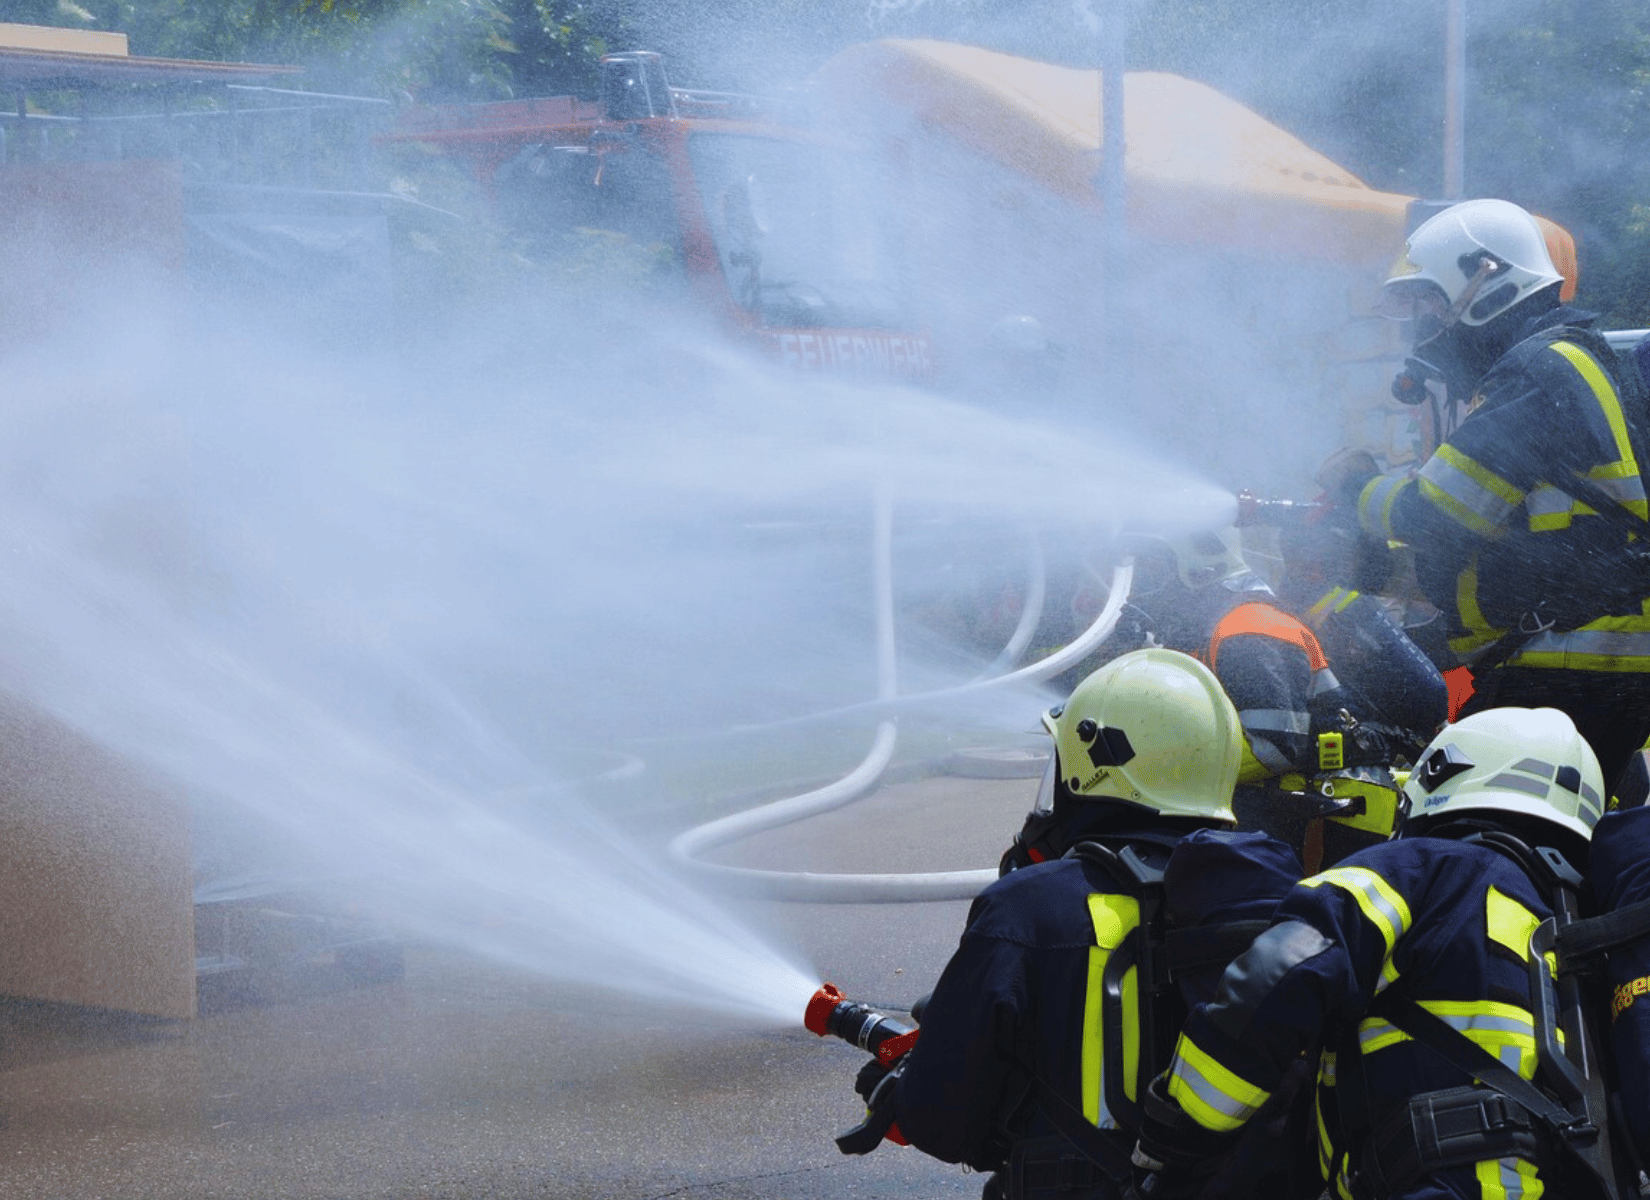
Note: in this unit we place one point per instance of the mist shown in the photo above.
(388, 619)
(469, 622)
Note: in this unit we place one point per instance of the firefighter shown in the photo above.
(1409, 967)
(1197, 594)
(1620, 882)
(1523, 523)
(1044, 1026)
(1329, 583)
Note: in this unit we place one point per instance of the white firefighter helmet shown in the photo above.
(1201, 559)
(1469, 263)
(1502, 761)
(1152, 727)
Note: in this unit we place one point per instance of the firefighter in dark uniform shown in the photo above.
(1038, 1039)
(1389, 963)
(1619, 876)
(1522, 520)
(1197, 594)
(1332, 581)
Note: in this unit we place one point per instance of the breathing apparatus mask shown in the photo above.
(1042, 837)
(1444, 348)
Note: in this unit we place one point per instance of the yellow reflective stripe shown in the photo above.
(1605, 393)
(1112, 917)
(1608, 644)
(1467, 491)
(1504, 1031)
(1509, 923)
(1480, 632)
(1336, 599)
(1375, 504)
(1550, 508)
(1212, 1095)
(1383, 907)
(1375, 1034)
(1508, 1179)
(1326, 1084)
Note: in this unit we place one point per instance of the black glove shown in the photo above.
(875, 1084)
(871, 1074)
(1176, 1153)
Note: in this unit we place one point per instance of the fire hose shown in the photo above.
(687, 847)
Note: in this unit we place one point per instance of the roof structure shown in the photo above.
(1199, 165)
(33, 56)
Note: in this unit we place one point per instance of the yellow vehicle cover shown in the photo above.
(1201, 168)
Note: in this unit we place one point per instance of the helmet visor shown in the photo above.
(1413, 300)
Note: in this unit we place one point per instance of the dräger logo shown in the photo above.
(1628, 992)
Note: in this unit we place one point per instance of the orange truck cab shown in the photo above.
(760, 221)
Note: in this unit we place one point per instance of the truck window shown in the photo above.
(796, 245)
(609, 212)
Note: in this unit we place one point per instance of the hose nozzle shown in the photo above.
(1259, 510)
(820, 1007)
(829, 1012)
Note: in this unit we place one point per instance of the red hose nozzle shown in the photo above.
(820, 1007)
(829, 1012)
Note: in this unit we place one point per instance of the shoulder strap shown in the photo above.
(1089, 1140)
(1450, 1043)
(1188, 949)
(1138, 1010)
(1575, 1132)
(1581, 941)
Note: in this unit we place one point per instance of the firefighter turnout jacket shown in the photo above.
(1442, 922)
(1502, 540)
(1272, 667)
(1619, 875)
(1027, 1033)
(1388, 680)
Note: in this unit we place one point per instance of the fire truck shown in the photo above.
(747, 214)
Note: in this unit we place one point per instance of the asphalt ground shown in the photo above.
(466, 1079)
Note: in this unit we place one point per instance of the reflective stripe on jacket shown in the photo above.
(1448, 922)
(1489, 514)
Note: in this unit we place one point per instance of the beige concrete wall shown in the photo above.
(95, 875)
(64, 41)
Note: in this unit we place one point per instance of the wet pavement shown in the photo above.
(467, 1079)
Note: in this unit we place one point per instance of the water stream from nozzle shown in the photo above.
(364, 617)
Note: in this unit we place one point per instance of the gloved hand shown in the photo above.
(1176, 1154)
(1343, 477)
(1345, 474)
(871, 1074)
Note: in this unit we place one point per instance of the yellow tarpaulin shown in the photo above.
(1200, 166)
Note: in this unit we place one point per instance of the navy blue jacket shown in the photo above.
(1445, 921)
(1012, 997)
(1620, 875)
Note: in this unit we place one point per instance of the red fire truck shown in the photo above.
(753, 217)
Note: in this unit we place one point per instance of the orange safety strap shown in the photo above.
(1267, 620)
